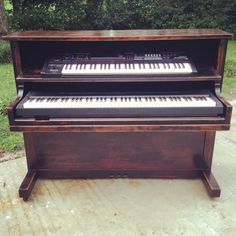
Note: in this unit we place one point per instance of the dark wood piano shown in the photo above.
(119, 103)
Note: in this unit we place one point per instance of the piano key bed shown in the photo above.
(119, 106)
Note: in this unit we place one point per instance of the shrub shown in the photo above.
(123, 14)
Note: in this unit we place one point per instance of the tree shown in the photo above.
(3, 19)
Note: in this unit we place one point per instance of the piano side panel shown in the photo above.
(173, 154)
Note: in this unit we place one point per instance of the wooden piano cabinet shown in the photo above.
(156, 147)
(119, 154)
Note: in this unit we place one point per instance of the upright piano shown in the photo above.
(119, 103)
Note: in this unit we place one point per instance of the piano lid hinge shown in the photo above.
(217, 88)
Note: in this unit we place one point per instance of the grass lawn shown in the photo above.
(10, 141)
(229, 85)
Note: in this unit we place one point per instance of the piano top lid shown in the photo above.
(114, 35)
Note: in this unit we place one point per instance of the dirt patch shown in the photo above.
(7, 156)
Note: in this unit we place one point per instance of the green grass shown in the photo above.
(5, 52)
(229, 85)
(9, 141)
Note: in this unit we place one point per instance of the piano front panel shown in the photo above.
(123, 153)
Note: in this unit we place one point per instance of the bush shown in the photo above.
(123, 14)
(5, 52)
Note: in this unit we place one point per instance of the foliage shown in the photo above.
(123, 14)
(5, 52)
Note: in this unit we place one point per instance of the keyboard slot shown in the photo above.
(203, 53)
(139, 124)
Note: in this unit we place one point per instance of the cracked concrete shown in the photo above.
(123, 207)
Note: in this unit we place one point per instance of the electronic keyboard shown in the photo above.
(129, 64)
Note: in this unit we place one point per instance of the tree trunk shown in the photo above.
(3, 19)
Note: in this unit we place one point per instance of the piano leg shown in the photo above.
(28, 184)
(211, 184)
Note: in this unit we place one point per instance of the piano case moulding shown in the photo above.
(65, 150)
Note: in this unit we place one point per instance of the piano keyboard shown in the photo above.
(58, 102)
(127, 69)
(60, 105)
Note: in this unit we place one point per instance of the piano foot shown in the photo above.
(211, 184)
(28, 184)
